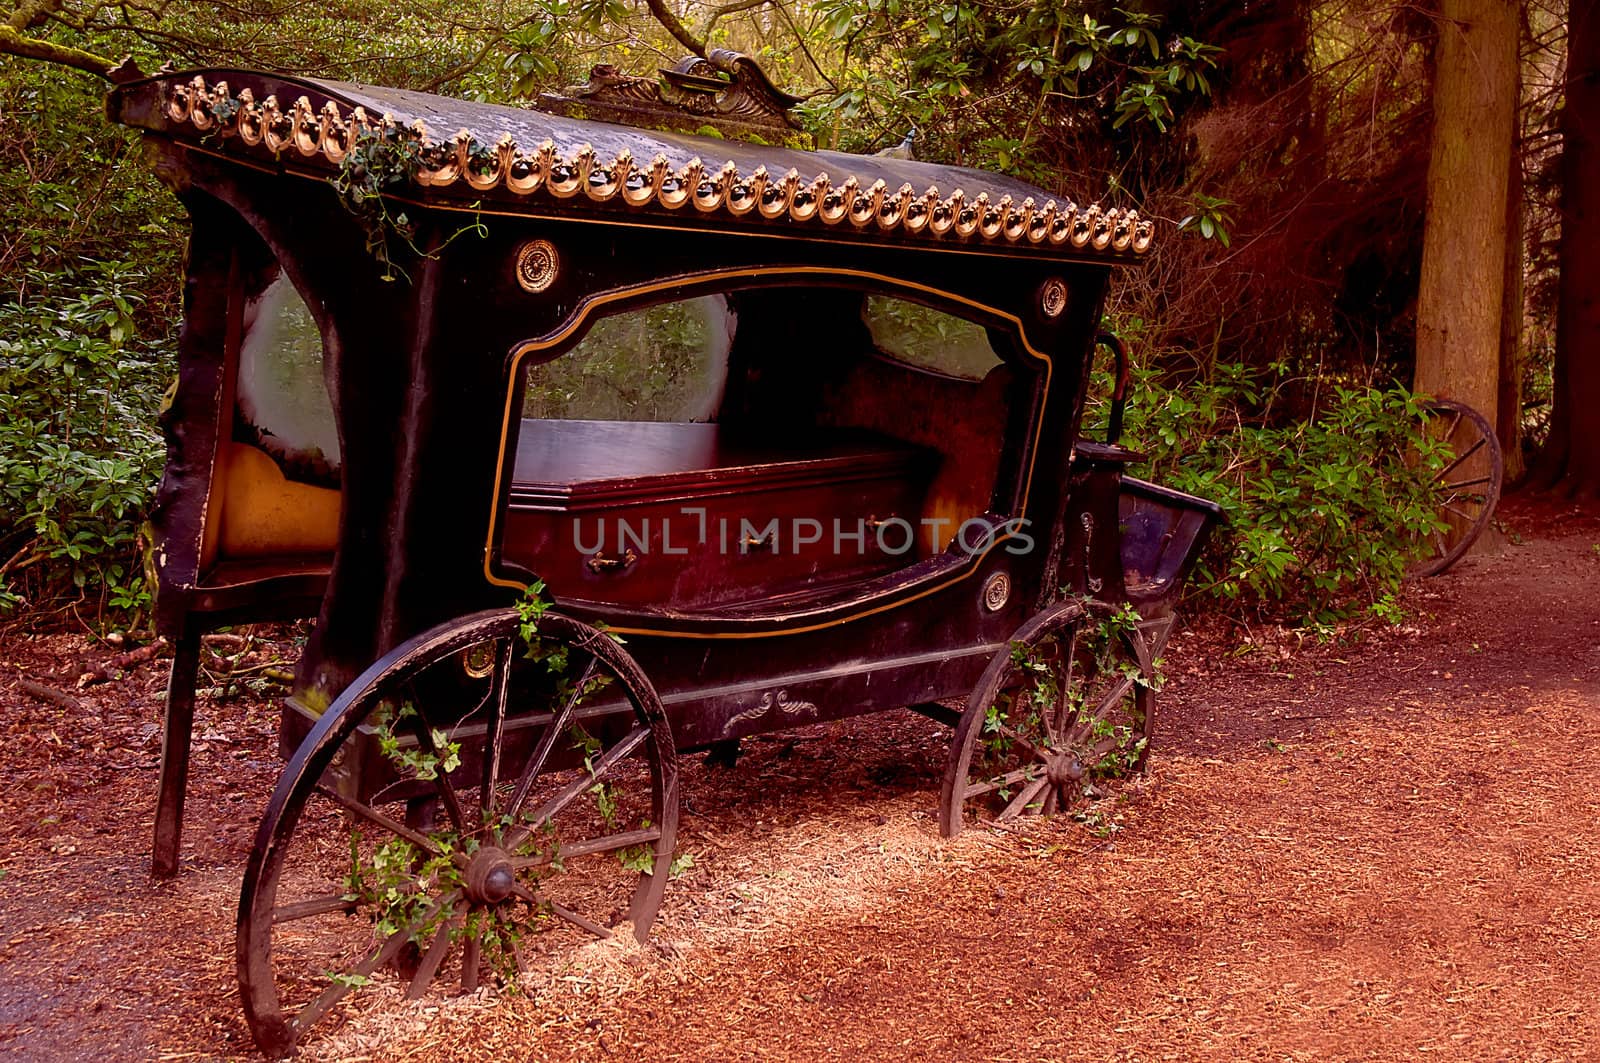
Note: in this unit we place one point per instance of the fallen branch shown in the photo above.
(48, 693)
(271, 669)
(122, 663)
(22, 559)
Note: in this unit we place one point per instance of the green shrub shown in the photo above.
(80, 452)
(90, 285)
(1324, 507)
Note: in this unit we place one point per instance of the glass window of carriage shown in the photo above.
(667, 362)
(276, 478)
(281, 398)
(779, 373)
(927, 339)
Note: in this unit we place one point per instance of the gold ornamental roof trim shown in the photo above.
(1007, 213)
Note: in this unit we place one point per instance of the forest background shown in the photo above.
(1357, 202)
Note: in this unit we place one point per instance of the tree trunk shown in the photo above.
(1464, 244)
(1572, 451)
(1508, 425)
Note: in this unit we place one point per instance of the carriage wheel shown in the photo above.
(534, 809)
(1066, 708)
(1465, 490)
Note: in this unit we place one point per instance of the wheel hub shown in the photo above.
(490, 878)
(1063, 769)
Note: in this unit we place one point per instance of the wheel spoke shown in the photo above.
(1086, 670)
(1455, 422)
(1440, 546)
(1020, 803)
(385, 953)
(1028, 774)
(565, 913)
(471, 963)
(1470, 498)
(1103, 710)
(1098, 751)
(441, 778)
(577, 920)
(1466, 483)
(570, 792)
(435, 956)
(1070, 709)
(336, 902)
(1023, 741)
(503, 654)
(372, 815)
(1469, 452)
(1066, 690)
(609, 843)
(547, 741)
(1468, 517)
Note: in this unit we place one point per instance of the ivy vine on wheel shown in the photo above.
(1067, 707)
(497, 787)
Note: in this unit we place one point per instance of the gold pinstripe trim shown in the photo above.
(586, 309)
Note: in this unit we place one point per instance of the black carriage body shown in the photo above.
(426, 377)
(800, 430)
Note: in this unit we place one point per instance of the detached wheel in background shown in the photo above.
(1465, 491)
(474, 799)
(1065, 709)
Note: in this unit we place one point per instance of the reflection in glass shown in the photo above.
(661, 363)
(282, 403)
(929, 339)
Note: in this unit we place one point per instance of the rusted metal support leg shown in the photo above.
(175, 753)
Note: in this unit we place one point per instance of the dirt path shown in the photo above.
(1380, 852)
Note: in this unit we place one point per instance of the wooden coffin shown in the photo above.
(685, 517)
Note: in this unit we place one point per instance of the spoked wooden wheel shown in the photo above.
(1466, 489)
(1066, 708)
(472, 800)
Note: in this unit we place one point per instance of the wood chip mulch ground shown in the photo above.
(1381, 851)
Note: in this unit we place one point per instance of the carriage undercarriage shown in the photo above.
(505, 785)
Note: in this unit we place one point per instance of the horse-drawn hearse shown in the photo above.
(587, 444)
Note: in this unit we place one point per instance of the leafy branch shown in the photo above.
(14, 42)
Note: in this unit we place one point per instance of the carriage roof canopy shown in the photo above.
(483, 156)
